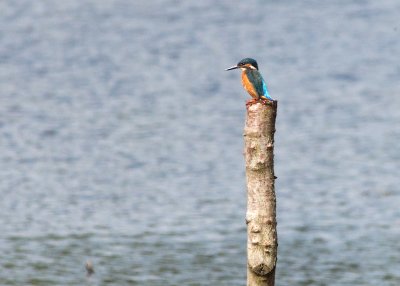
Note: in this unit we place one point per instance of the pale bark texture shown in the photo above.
(262, 240)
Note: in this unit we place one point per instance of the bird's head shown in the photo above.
(244, 64)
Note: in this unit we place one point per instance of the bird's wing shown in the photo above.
(259, 84)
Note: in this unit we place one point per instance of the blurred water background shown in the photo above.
(121, 140)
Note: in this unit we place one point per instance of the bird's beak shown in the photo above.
(232, 68)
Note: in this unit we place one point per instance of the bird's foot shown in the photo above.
(251, 101)
(267, 101)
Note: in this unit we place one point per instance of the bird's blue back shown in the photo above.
(258, 83)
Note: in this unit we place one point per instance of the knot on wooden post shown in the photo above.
(262, 244)
(262, 270)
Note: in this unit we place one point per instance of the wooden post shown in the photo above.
(262, 240)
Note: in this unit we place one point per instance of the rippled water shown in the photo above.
(121, 140)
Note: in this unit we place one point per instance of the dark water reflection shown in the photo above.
(121, 140)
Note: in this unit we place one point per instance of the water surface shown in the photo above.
(121, 140)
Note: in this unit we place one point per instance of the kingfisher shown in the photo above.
(252, 80)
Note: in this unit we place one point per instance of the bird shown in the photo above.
(89, 268)
(252, 80)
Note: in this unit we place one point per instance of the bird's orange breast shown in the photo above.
(248, 86)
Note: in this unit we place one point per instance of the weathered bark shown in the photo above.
(262, 241)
